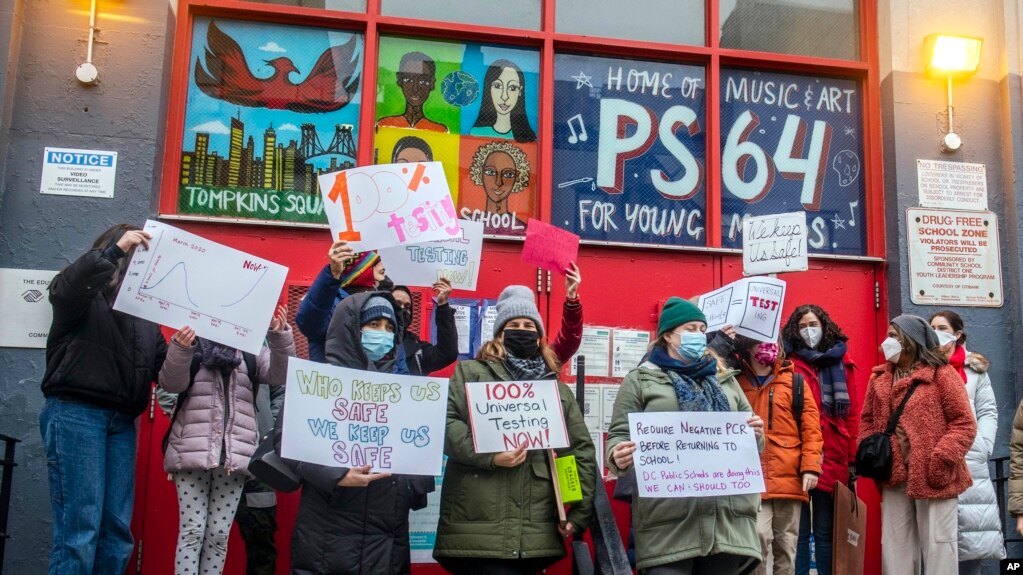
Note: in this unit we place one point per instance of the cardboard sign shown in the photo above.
(226, 295)
(549, 247)
(751, 305)
(389, 205)
(343, 417)
(456, 259)
(505, 414)
(695, 454)
(774, 243)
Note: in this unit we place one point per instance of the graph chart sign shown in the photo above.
(228, 296)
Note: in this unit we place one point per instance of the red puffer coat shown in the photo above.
(839, 432)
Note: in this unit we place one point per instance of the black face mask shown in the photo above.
(406, 318)
(522, 343)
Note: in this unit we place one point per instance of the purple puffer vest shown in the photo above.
(211, 421)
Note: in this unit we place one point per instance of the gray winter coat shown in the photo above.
(980, 533)
(216, 424)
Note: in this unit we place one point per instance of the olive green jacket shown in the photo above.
(498, 512)
(675, 529)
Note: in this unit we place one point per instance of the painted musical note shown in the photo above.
(581, 135)
(852, 212)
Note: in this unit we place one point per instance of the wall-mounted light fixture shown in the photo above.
(952, 58)
(86, 72)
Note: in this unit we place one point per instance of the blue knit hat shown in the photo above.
(516, 301)
(378, 307)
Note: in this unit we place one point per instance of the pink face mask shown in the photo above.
(766, 353)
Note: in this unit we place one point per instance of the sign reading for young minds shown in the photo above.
(506, 414)
(343, 417)
(774, 243)
(389, 205)
(701, 454)
(751, 305)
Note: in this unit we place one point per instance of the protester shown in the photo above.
(929, 446)
(817, 348)
(791, 460)
(214, 434)
(422, 357)
(497, 510)
(351, 520)
(346, 273)
(100, 364)
(1016, 469)
(570, 336)
(692, 536)
(980, 530)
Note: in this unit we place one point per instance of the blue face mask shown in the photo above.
(693, 345)
(377, 343)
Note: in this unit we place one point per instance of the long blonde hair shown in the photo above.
(493, 350)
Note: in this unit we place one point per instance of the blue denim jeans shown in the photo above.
(823, 531)
(90, 456)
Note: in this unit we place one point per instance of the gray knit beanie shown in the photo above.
(916, 328)
(377, 307)
(516, 301)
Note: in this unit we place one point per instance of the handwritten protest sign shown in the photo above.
(774, 243)
(549, 247)
(504, 414)
(751, 305)
(695, 454)
(346, 418)
(457, 259)
(226, 295)
(389, 205)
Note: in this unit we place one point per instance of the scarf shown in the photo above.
(696, 384)
(958, 361)
(831, 375)
(526, 369)
(218, 357)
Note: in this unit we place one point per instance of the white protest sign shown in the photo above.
(343, 417)
(226, 295)
(457, 259)
(505, 414)
(751, 305)
(387, 205)
(695, 454)
(774, 243)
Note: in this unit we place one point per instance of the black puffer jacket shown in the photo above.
(93, 353)
(423, 357)
(354, 530)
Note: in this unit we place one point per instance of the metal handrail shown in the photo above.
(8, 465)
(1000, 479)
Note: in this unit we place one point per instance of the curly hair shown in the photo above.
(830, 332)
(517, 156)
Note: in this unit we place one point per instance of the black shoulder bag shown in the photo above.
(874, 455)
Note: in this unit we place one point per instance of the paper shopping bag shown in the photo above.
(850, 532)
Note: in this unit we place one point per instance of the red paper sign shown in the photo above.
(549, 247)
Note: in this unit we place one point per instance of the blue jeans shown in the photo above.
(90, 456)
(823, 531)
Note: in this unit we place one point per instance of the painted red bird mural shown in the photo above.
(330, 85)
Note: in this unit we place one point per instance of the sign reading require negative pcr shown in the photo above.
(695, 454)
(506, 414)
(343, 417)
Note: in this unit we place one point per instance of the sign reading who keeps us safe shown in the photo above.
(71, 172)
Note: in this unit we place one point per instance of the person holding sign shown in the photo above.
(213, 435)
(928, 448)
(691, 535)
(352, 520)
(346, 273)
(791, 460)
(817, 348)
(422, 357)
(100, 364)
(498, 511)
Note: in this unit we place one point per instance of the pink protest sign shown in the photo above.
(549, 247)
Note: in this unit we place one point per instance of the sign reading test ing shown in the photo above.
(953, 258)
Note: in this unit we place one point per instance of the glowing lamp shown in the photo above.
(952, 57)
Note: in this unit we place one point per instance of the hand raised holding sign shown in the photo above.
(757, 424)
(443, 289)
(184, 337)
(621, 454)
(360, 477)
(511, 458)
(280, 319)
(573, 277)
(340, 255)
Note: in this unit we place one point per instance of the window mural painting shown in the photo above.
(269, 107)
(789, 143)
(472, 107)
(629, 151)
